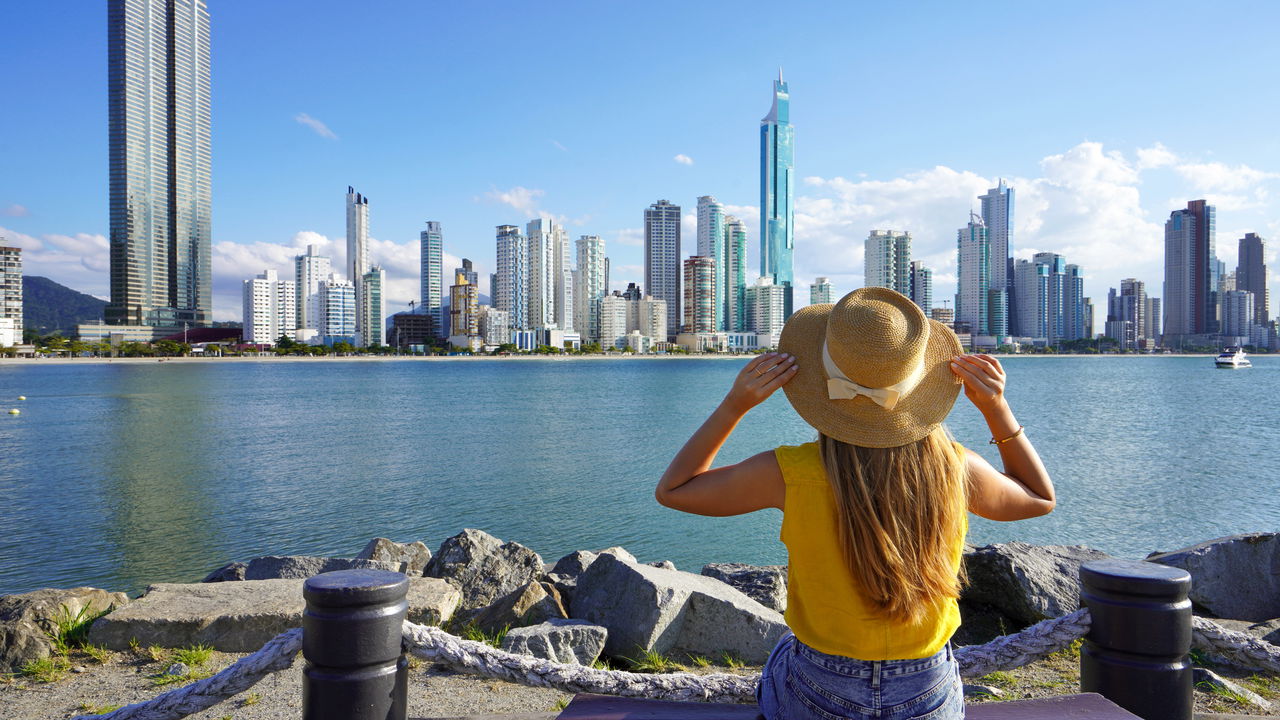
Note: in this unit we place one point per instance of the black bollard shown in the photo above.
(1136, 651)
(351, 639)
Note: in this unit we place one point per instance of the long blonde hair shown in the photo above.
(900, 512)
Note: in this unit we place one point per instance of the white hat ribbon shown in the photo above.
(840, 387)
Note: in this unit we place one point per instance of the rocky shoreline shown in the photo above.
(590, 607)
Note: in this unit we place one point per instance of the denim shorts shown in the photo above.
(799, 683)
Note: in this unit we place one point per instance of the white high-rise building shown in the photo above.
(973, 276)
(997, 217)
(887, 260)
(10, 296)
(712, 243)
(735, 274)
(651, 316)
(540, 235)
(612, 312)
(270, 309)
(357, 243)
(592, 285)
(1031, 288)
(820, 292)
(339, 298)
(562, 272)
(766, 308)
(309, 271)
(373, 308)
(511, 281)
(1238, 313)
(662, 258)
(431, 256)
(495, 326)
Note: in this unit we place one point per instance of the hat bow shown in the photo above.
(840, 387)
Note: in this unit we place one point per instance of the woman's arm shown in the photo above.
(689, 484)
(1024, 489)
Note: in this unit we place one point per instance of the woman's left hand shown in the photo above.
(758, 379)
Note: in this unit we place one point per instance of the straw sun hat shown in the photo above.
(885, 380)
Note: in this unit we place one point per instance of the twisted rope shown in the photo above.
(1237, 648)
(433, 644)
(276, 655)
(436, 645)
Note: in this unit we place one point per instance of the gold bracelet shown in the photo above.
(994, 441)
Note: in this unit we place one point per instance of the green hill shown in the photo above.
(48, 306)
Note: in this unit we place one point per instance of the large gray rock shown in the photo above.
(414, 556)
(230, 572)
(576, 563)
(646, 608)
(766, 584)
(1234, 577)
(238, 616)
(562, 641)
(484, 567)
(27, 619)
(529, 605)
(292, 567)
(1027, 583)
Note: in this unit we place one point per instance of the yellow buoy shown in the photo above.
(22, 397)
(14, 411)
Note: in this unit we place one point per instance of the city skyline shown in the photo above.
(1094, 189)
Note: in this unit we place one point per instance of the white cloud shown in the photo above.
(633, 237)
(559, 147)
(79, 261)
(320, 128)
(1156, 156)
(1220, 177)
(520, 198)
(683, 159)
(15, 210)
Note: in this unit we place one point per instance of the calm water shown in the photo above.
(118, 475)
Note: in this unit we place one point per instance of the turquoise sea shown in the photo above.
(118, 475)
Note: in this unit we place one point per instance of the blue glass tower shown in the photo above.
(777, 218)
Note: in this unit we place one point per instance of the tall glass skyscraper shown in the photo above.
(511, 282)
(1190, 290)
(662, 258)
(431, 258)
(777, 218)
(711, 244)
(735, 293)
(997, 215)
(159, 139)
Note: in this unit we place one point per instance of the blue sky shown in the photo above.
(1103, 116)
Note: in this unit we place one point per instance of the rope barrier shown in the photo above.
(435, 645)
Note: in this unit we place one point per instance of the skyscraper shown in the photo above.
(712, 243)
(997, 215)
(765, 307)
(1031, 288)
(1127, 319)
(511, 287)
(1251, 275)
(357, 251)
(735, 274)
(562, 280)
(1190, 290)
(887, 260)
(309, 271)
(777, 217)
(541, 297)
(662, 257)
(973, 276)
(1075, 320)
(464, 313)
(820, 292)
(339, 310)
(373, 307)
(592, 285)
(1058, 298)
(921, 286)
(699, 295)
(468, 271)
(10, 295)
(160, 150)
(431, 257)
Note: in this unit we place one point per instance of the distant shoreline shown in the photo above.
(487, 358)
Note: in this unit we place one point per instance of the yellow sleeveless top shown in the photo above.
(825, 607)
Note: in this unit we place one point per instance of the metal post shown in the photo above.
(1136, 651)
(356, 668)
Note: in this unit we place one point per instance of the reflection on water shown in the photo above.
(121, 475)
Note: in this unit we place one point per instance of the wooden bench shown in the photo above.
(1086, 706)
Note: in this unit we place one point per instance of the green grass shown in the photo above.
(731, 661)
(164, 679)
(1000, 678)
(700, 661)
(561, 704)
(134, 645)
(1222, 692)
(473, 632)
(71, 631)
(652, 661)
(602, 663)
(47, 670)
(99, 654)
(250, 699)
(89, 709)
(194, 655)
(1198, 658)
(1267, 687)
(156, 653)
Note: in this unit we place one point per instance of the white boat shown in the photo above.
(1232, 357)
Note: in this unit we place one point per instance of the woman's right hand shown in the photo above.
(758, 379)
(983, 379)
